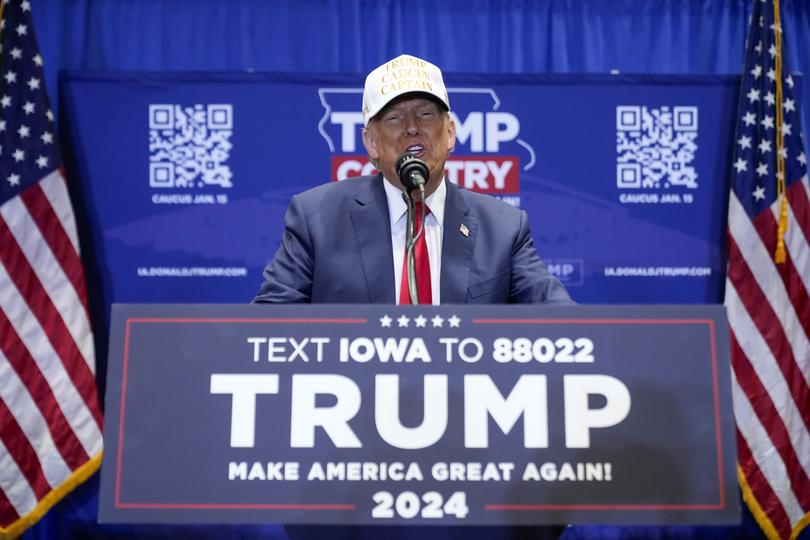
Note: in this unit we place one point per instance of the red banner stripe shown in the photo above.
(26, 368)
(40, 304)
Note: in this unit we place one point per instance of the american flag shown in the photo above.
(50, 421)
(767, 301)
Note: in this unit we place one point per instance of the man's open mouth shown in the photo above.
(415, 149)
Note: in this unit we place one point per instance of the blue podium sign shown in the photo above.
(418, 415)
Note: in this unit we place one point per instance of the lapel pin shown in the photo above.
(464, 230)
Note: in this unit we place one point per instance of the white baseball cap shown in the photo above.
(402, 75)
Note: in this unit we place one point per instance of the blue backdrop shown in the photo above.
(355, 36)
(352, 37)
(624, 178)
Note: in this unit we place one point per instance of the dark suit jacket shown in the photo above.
(336, 249)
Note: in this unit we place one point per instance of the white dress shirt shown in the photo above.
(434, 225)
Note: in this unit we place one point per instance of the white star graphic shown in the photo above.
(47, 137)
(420, 321)
(759, 193)
(772, 50)
(5, 101)
(2, 125)
(16, 53)
(770, 98)
(33, 83)
(437, 321)
(741, 165)
(385, 320)
(801, 159)
(38, 60)
(762, 21)
(789, 80)
(42, 161)
(28, 107)
(454, 321)
(14, 179)
(786, 129)
(744, 141)
(762, 169)
(757, 71)
(767, 122)
(403, 321)
(782, 152)
(764, 146)
(25, 6)
(750, 119)
(758, 48)
(789, 105)
(10, 77)
(21, 29)
(23, 131)
(771, 75)
(753, 95)
(776, 28)
(19, 155)
(49, 114)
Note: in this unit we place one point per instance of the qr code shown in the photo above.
(189, 146)
(656, 146)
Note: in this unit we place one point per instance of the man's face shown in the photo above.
(411, 124)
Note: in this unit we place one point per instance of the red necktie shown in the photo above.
(420, 253)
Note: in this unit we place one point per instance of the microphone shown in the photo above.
(412, 171)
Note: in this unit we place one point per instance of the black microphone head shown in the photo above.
(412, 171)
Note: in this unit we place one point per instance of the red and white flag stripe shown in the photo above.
(51, 422)
(769, 313)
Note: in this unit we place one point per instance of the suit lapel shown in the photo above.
(372, 228)
(457, 248)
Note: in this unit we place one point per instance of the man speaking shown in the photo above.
(346, 242)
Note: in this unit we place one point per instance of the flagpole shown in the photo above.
(779, 254)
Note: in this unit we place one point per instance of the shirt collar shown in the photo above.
(397, 209)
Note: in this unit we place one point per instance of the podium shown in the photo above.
(383, 414)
